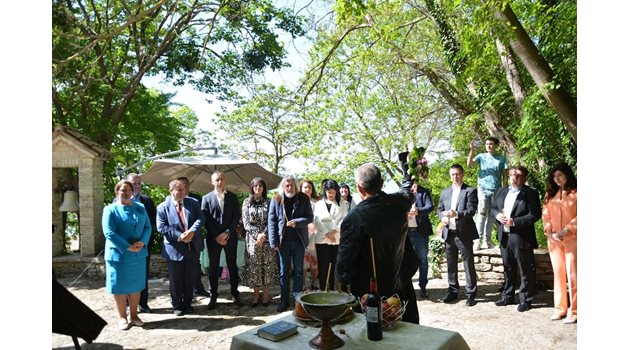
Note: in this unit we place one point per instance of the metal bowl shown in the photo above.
(326, 306)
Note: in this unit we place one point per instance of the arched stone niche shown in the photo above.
(71, 149)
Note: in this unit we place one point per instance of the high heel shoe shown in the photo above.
(256, 302)
(265, 304)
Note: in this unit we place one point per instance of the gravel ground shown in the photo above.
(484, 326)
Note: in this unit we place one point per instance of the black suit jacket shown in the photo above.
(382, 218)
(466, 208)
(218, 221)
(424, 204)
(525, 213)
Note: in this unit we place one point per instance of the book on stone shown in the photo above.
(278, 330)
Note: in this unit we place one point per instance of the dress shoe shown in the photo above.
(202, 293)
(189, 309)
(137, 322)
(123, 325)
(423, 293)
(570, 319)
(178, 312)
(557, 316)
(524, 306)
(449, 297)
(504, 301)
(236, 299)
(282, 307)
(470, 301)
(213, 303)
(144, 309)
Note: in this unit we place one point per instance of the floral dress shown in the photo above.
(261, 265)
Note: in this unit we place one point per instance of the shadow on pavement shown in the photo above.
(202, 323)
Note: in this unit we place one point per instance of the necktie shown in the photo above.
(182, 219)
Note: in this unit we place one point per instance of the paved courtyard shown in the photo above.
(484, 326)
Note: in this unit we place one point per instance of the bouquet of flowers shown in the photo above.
(418, 165)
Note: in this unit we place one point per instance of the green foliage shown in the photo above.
(153, 126)
(71, 233)
(102, 50)
(266, 128)
(436, 256)
(349, 11)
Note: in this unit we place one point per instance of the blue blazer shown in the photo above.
(122, 226)
(302, 213)
(218, 221)
(466, 208)
(169, 226)
(424, 204)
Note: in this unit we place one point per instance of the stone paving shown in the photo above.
(484, 326)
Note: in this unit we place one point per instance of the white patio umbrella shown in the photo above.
(238, 172)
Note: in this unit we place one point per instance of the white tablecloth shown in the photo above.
(403, 336)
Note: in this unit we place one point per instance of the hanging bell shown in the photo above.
(70, 201)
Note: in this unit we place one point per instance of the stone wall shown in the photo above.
(488, 263)
(489, 266)
(73, 265)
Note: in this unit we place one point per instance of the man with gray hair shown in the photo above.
(290, 212)
(180, 221)
(379, 220)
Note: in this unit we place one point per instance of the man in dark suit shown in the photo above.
(222, 213)
(290, 212)
(198, 287)
(516, 208)
(419, 231)
(379, 221)
(136, 181)
(458, 204)
(180, 220)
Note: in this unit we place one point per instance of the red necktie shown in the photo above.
(182, 219)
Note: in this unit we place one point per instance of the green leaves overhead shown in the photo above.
(266, 128)
(103, 49)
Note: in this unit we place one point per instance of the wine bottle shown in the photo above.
(374, 314)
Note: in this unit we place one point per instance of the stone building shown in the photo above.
(70, 149)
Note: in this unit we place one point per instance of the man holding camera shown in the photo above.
(492, 175)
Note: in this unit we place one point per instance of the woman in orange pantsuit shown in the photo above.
(560, 225)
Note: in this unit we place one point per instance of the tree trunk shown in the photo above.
(512, 75)
(539, 69)
(495, 127)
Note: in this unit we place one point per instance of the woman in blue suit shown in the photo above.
(127, 229)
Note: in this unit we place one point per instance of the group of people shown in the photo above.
(342, 243)
(130, 222)
(514, 207)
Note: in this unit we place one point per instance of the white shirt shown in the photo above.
(508, 204)
(411, 221)
(454, 197)
(220, 198)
